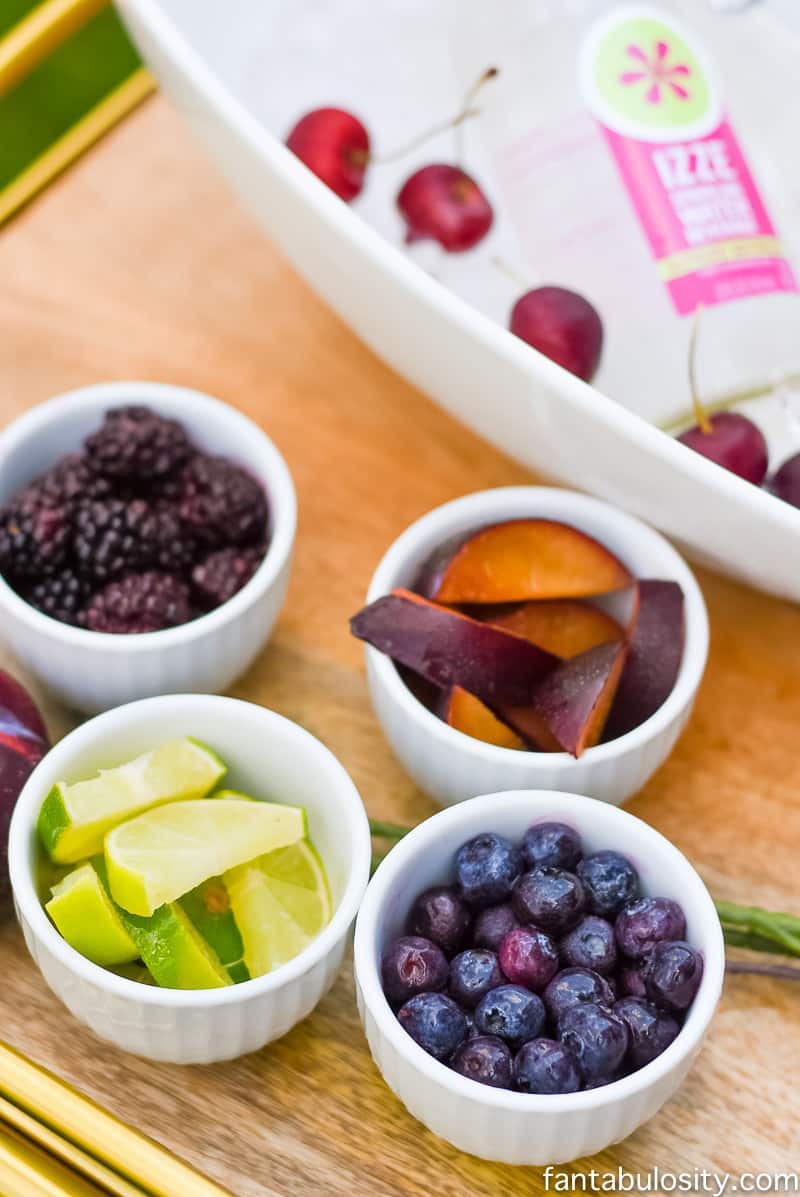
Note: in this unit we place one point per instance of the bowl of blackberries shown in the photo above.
(536, 972)
(145, 540)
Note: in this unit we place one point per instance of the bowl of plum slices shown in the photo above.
(146, 534)
(535, 973)
(532, 637)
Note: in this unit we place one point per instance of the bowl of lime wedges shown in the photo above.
(186, 870)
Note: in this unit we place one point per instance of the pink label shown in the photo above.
(700, 209)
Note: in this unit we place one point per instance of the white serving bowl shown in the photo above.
(242, 73)
(497, 1124)
(452, 766)
(267, 756)
(93, 671)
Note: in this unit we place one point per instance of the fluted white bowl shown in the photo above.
(93, 671)
(267, 756)
(498, 1124)
(452, 766)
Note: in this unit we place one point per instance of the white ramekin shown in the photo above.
(93, 671)
(267, 756)
(452, 766)
(497, 1124)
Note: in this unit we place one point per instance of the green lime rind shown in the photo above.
(136, 971)
(54, 822)
(85, 916)
(74, 819)
(170, 946)
(209, 909)
(236, 794)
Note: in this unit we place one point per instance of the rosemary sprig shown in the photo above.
(781, 932)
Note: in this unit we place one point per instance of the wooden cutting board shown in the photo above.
(139, 264)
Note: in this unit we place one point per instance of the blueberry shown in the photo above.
(609, 881)
(597, 1038)
(546, 1066)
(673, 974)
(591, 945)
(485, 1059)
(630, 980)
(486, 868)
(492, 925)
(441, 915)
(472, 974)
(650, 1030)
(551, 844)
(598, 1082)
(576, 987)
(511, 1012)
(642, 924)
(412, 965)
(528, 957)
(435, 1022)
(551, 898)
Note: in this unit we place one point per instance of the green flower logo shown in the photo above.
(646, 78)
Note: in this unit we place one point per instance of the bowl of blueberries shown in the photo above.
(536, 972)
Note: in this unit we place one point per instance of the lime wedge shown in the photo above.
(175, 954)
(280, 902)
(74, 819)
(137, 972)
(168, 851)
(209, 909)
(86, 917)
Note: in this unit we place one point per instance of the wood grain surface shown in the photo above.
(139, 264)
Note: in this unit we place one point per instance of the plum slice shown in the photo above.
(450, 649)
(23, 743)
(468, 714)
(570, 707)
(654, 658)
(565, 627)
(520, 560)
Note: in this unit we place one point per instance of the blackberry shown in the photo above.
(143, 602)
(114, 536)
(61, 596)
(34, 536)
(137, 445)
(217, 577)
(71, 481)
(221, 502)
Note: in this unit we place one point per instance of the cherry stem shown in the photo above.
(783, 971)
(505, 268)
(469, 99)
(700, 413)
(451, 122)
(466, 113)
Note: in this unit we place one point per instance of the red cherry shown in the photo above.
(444, 203)
(335, 146)
(562, 325)
(785, 482)
(732, 441)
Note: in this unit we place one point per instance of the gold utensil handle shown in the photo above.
(74, 1117)
(27, 1171)
(38, 34)
(62, 1149)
